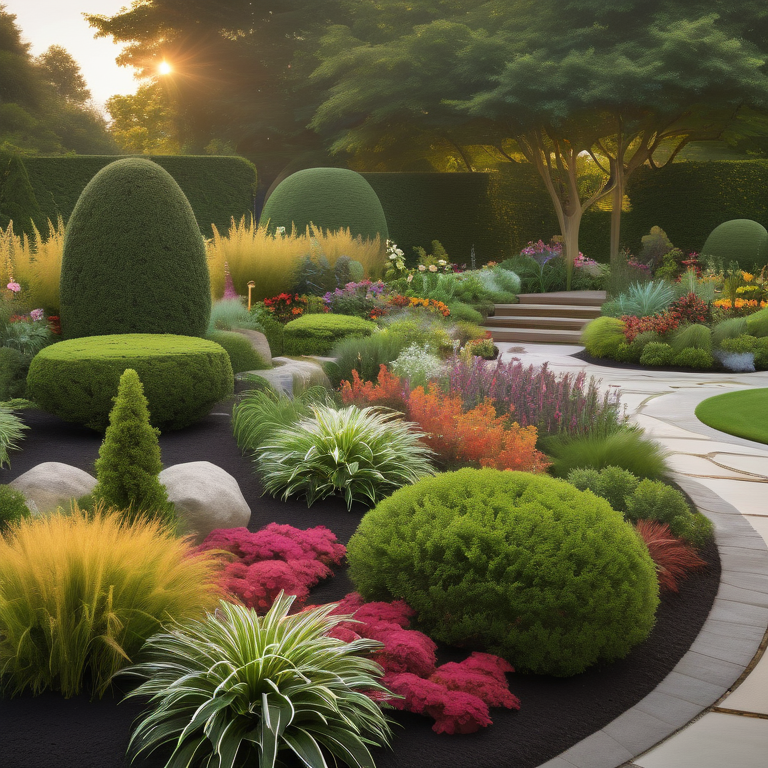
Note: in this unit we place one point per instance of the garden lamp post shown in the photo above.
(251, 286)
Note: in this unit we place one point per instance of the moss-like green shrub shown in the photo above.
(739, 344)
(729, 329)
(757, 323)
(183, 377)
(741, 240)
(13, 507)
(464, 313)
(657, 353)
(603, 336)
(316, 334)
(521, 565)
(627, 353)
(700, 359)
(242, 355)
(653, 500)
(329, 198)
(134, 259)
(13, 373)
(694, 336)
(614, 484)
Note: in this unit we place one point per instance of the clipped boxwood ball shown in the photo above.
(318, 334)
(329, 198)
(134, 259)
(741, 240)
(524, 566)
(183, 377)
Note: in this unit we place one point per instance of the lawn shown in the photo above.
(744, 414)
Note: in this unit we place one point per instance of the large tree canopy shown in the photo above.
(554, 80)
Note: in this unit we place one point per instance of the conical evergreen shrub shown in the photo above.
(129, 458)
(18, 203)
(134, 259)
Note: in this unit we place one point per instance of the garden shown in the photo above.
(274, 496)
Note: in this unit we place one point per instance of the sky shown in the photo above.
(60, 22)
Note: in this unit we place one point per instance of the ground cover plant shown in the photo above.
(737, 413)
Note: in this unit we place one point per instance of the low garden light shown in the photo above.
(251, 286)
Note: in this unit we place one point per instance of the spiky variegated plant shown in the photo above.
(11, 431)
(366, 454)
(237, 689)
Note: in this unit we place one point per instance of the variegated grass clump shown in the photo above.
(252, 253)
(237, 688)
(80, 593)
(365, 454)
(11, 431)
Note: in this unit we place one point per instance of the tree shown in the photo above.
(143, 123)
(556, 81)
(63, 73)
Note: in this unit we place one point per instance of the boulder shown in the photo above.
(206, 498)
(293, 376)
(258, 342)
(51, 485)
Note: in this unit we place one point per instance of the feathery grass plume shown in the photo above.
(38, 265)
(237, 684)
(10, 245)
(80, 593)
(11, 431)
(365, 355)
(602, 336)
(694, 336)
(252, 253)
(729, 329)
(363, 453)
(228, 314)
(129, 458)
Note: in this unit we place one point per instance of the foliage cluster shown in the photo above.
(317, 334)
(242, 355)
(13, 507)
(11, 431)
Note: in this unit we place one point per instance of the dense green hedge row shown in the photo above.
(216, 187)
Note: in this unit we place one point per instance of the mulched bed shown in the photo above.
(607, 362)
(50, 732)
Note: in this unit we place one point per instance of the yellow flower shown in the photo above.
(747, 277)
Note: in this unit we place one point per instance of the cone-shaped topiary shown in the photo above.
(741, 240)
(329, 198)
(134, 259)
(129, 458)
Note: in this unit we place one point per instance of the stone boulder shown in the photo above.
(51, 485)
(206, 498)
(293, 376)
(258, 342)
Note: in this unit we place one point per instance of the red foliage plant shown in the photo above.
(690, 309)
(672, 556)
(663, 323)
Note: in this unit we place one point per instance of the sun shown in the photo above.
(164, 68)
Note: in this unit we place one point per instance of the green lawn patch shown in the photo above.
(744, 414)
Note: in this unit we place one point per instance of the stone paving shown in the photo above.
(712, 710)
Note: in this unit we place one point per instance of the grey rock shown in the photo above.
(51, 485)
(258, 342)
(293, 376)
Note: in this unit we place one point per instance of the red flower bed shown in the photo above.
(662, 324)
(286, 306)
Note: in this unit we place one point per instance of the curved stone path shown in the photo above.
(711, 711)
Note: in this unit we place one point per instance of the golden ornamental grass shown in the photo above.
(80, 593)
(252, 253)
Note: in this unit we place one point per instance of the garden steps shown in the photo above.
(546, 318)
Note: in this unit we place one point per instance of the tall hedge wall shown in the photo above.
(216, 187)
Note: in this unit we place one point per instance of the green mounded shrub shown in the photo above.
(628, 353)
(183, 377)
(614, 484)
(13, 373)
(129, 458)
(603, 336)
(729, 329)
(657, 353)
(242, 355)
(329, 198)
(365, 355)
(690, 357)
(317, 334)
(741, 240)
(739, 344)
(654, 500)
(694, 336)
(521, 565)
(627, 449)
(13, 507)
(461, 312)
(757, 323)
(134, 260)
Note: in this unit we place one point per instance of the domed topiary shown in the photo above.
(741, 240)
(329, 198)
(523, 566)
(134, 259)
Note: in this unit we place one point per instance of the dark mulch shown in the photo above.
(50, 732)
(606, 362)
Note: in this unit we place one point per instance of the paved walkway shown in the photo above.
(722, 682)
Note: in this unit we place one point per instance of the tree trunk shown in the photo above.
(617, 200)
(571, 224)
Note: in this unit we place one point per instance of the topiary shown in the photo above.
(521, 565)
(182, 377)
(741, 240)
(134, 260)
(129, 458)
(13, 507)
(700, 359)
(329, 198)
(316, 334)
(603, 336)
(242, 355)
(657, 353)
(693, 336)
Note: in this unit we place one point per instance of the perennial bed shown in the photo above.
(556, 712)
(607, 362)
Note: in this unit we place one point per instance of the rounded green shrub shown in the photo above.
(242, 355)
(613, 484)
(13, 507)
(13, 373)
(317, 334)
(628, 353)
(739, 344)
(657, 353)
(517, 564)
(729, 329)
(693, 336)
(183, 377)
(757, 323)
(741, 240)
(134, 260)
(603, 336)
(700, 359)
(329, 198)
(464, 313)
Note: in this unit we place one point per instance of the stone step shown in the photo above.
(579, 298)
(547, 310)
(555, 323)
(539, 335)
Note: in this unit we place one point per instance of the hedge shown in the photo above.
(133, 259)
(317, 334)
(183, 377)
(217, 188)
